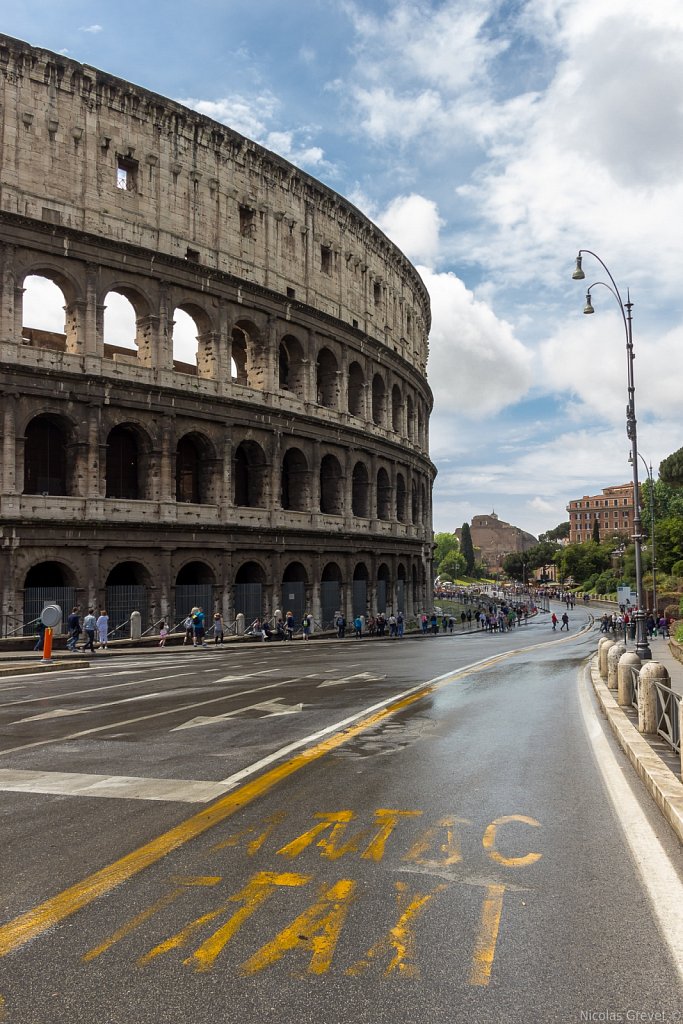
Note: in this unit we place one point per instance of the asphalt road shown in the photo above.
(367, 831)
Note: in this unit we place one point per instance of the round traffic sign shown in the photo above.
(51, 615)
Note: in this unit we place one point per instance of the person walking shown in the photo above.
(198, 627)
(73, 624)
(218, 636)
(89, 626)
(306, 625)
(358, 627)
(163, 633)
(400, 624)
(341, 627)
(565, 622)
(189, 632)
(553, 619)
(289, 626)
(103, 628)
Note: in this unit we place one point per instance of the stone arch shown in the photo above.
(127, 588)
(195, 470)
(331, 490)
(327, 379)
(356, 390)
(401, 503)
(46, 296)
(359, 589)
(125, 313)
(384, 601)
(295, 486)
(190, 334)
(414, 502)
(193, 572)
(360, 491)
(245, 339)
(250, 572)
(291, 366)
(379, 400)
(410, 418)
(48, 467)
(396, 408)
(331, 573)
(250, 475)
(50, 574)
(383, 494)
(295, 572)
(127, 463)
(128, 572)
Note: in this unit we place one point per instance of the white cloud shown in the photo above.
(93, 29)
(413, 223)
(476, 366)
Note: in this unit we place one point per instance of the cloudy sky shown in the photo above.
(490, 139)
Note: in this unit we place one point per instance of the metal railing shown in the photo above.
(635, 682)
(667, 716)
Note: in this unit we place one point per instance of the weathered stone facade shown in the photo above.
(496, 539)
(290, 464)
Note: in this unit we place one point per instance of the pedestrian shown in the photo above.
(89, 626)
(103, 628)
(434, 624)
(198, 627)
(358, 627)
(424, 622)
(189, 631)
(565, 622)
(341, 626)
(306, 625)
(41, 636)
(553, 619)
(400, 624)
(218, 637)
(73, 624)
(163, 633)
(289, 626)
(393, 630)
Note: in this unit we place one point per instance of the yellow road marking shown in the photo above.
(316, 930)
(399, 940)
(485, 948)
(489, 842)
(45, 915)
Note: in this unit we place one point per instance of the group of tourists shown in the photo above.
(623, 623)
(90, 627)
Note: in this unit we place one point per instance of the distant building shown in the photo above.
(496, 539)
(612, 509)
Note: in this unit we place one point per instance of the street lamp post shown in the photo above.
(642, 646)
(648, 470)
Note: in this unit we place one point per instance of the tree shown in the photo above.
(453, 565)
(559, 533)
(596, 531)
(516, 566)
(671, 469)
(467, 548)
(444, 545)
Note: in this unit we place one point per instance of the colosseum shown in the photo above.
(283, 462)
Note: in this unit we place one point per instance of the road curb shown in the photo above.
(25, 668)
(665, 787)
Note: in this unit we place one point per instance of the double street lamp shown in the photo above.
(648, 470)
(642, 646)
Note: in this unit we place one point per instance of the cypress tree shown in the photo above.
(467, 548)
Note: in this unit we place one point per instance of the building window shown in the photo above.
(126, 174)
(377, 293)
(325, 259)
(247, 222)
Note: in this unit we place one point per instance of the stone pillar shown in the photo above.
(91, 342)
(9, 448)
(10, 296)
(627, 662)
(135, 626)
(603, 648)
(315, 479)
(209, 356)
(615, 652)
(147, 339)
(275, 471)
(166, 457)
(166, 584)
(93, 487)
(647, 695)
(93, 584)
(165, 335)
(74, 326)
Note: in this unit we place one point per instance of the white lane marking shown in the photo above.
(144, 718)
(658, 874)
(69, 712)
(119, 686)
(272, 709)
(365, 677)
(110, 786)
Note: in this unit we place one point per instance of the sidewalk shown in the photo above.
(656, 763)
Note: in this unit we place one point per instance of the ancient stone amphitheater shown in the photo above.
(285, 465)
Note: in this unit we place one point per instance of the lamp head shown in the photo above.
(588, 308)
(578, 274)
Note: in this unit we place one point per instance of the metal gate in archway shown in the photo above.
(35, 599)
(121, 603)
(381, 596)
(401, 596)
(330, 600)
(193, 595)
(249, 601)
(294, 600)
(360, 597)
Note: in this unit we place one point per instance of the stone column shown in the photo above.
(627, 663)
(9, 453)
(74, 326)
(647, 695)
(91, 341)
(10, 296)
(166, 457)
(147, 339)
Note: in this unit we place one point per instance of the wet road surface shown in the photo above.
(369, 831)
